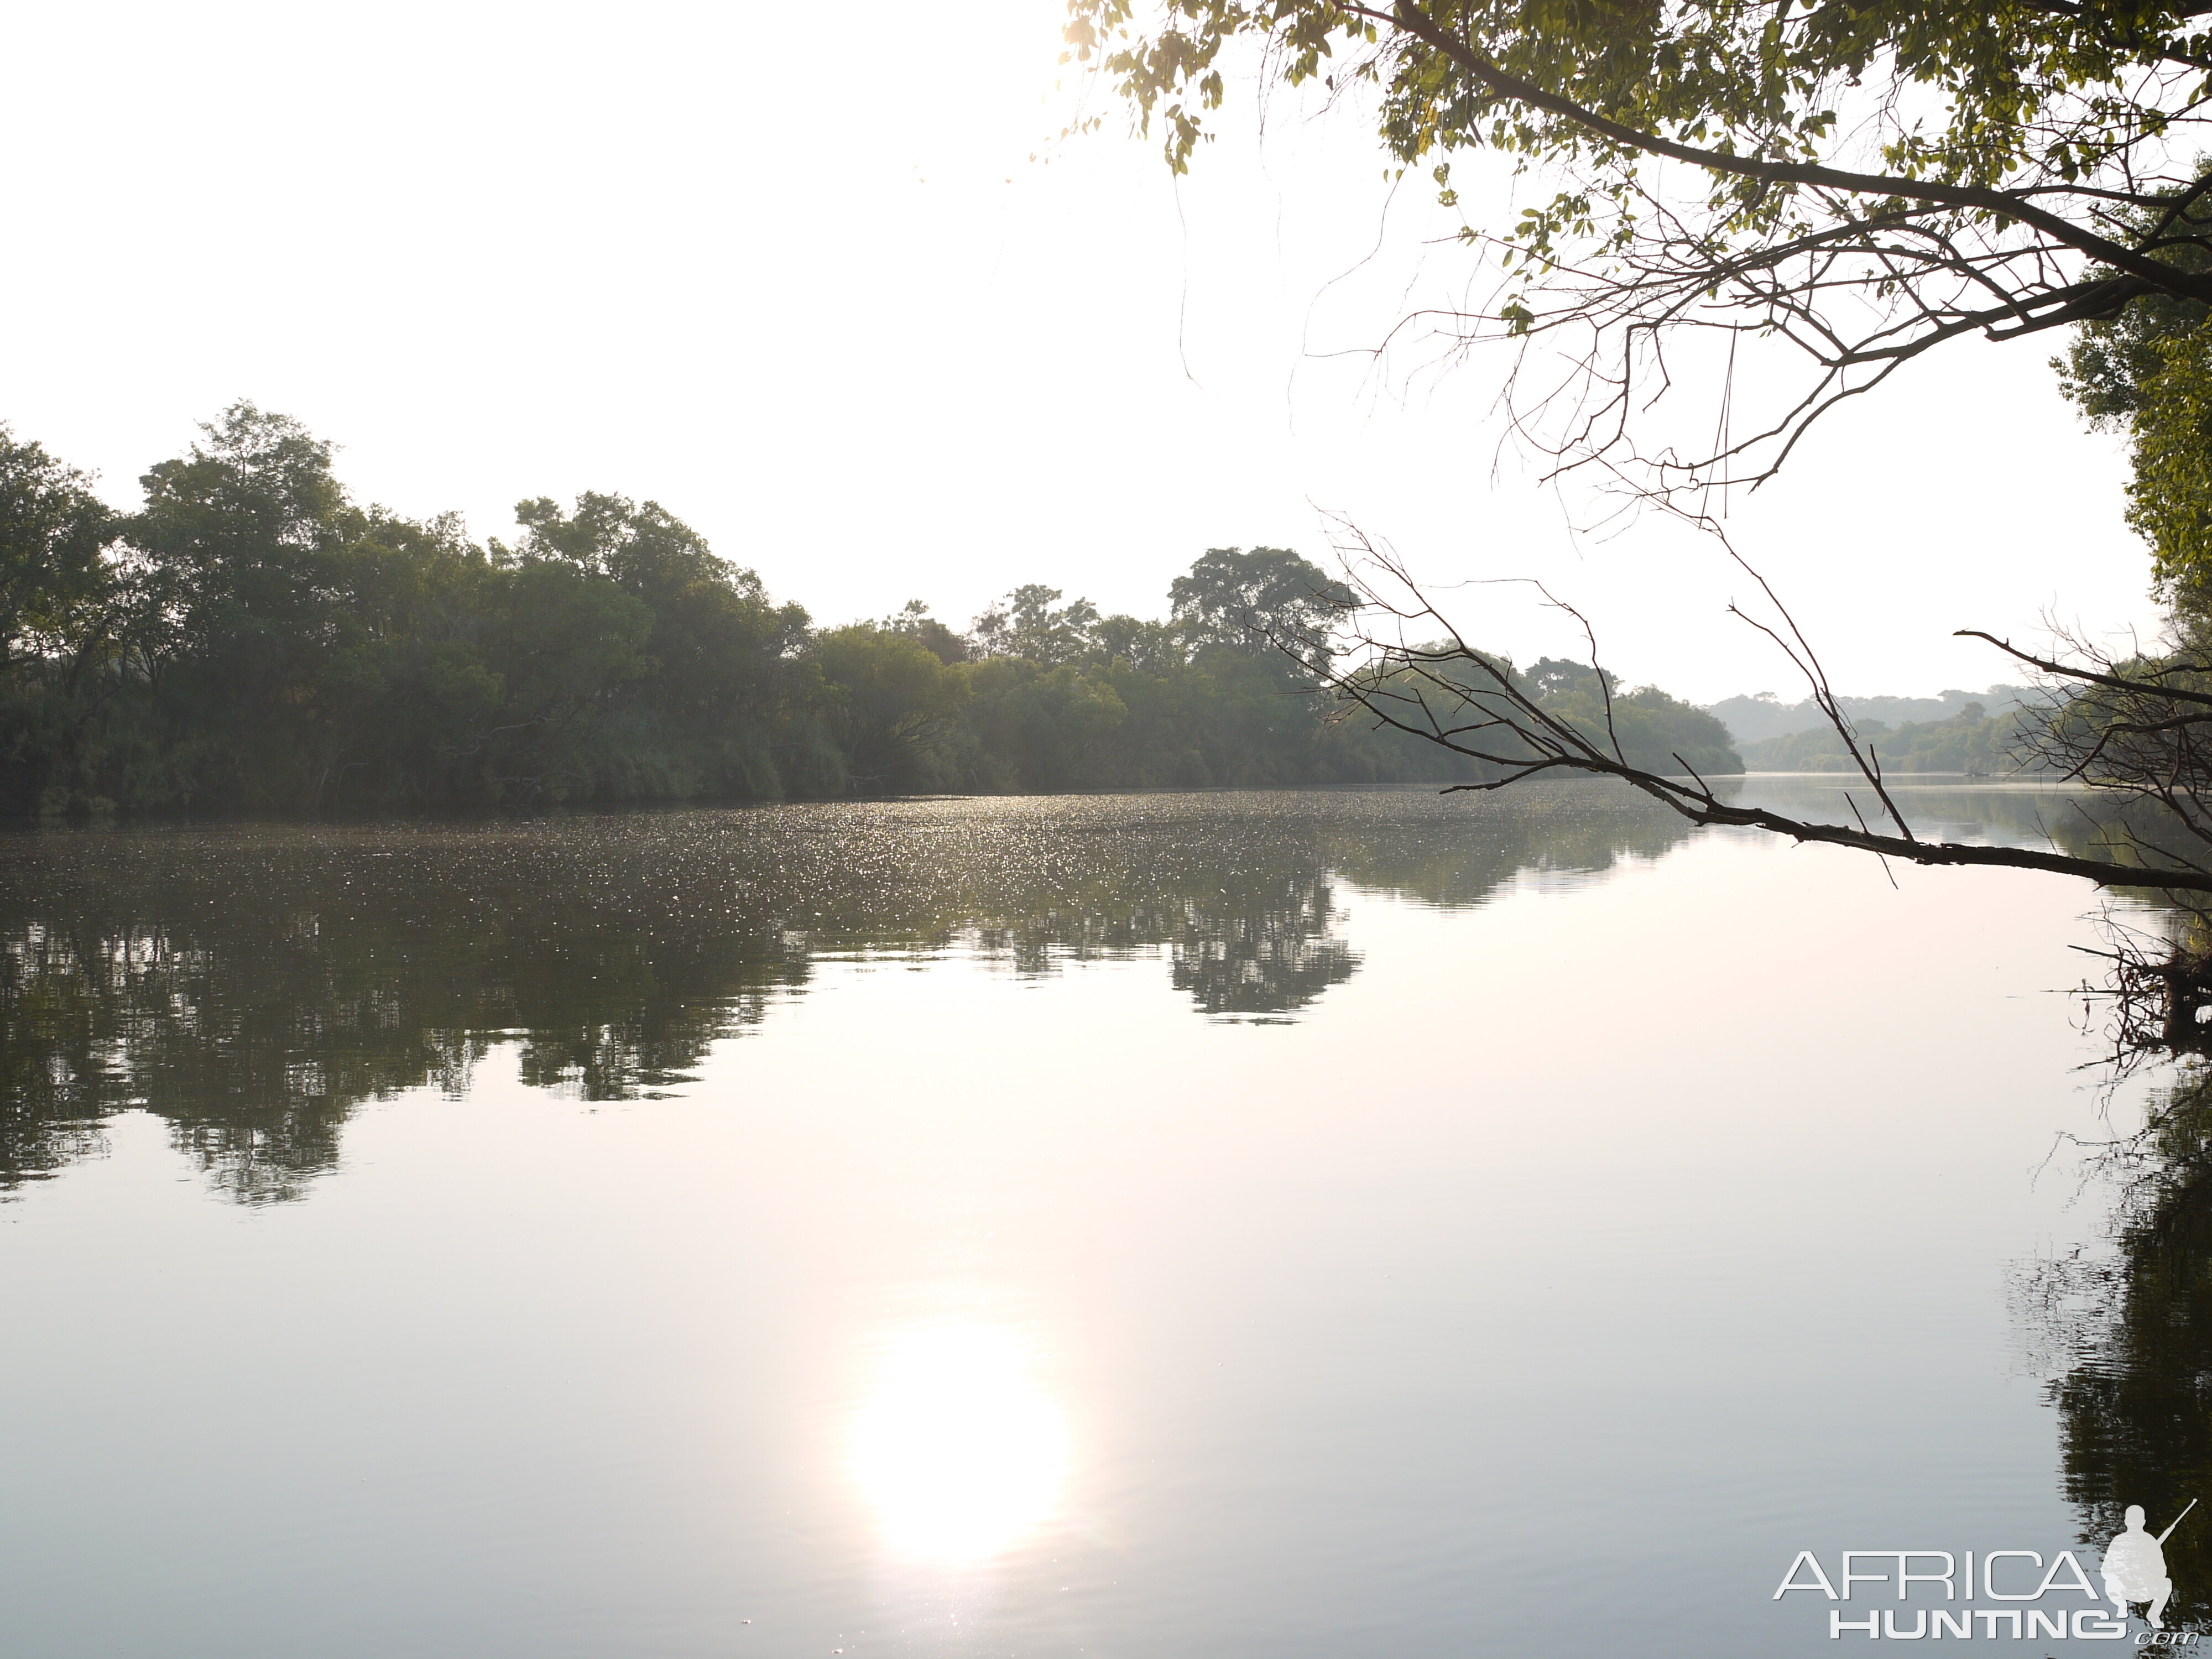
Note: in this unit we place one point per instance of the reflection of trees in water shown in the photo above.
(254, 1033)
(1577, 828)
(253, 985)
(1262, 948)
(2128, 1338)
(1270, 955)
(2131, 1338)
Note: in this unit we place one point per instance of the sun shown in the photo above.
(959, 1451)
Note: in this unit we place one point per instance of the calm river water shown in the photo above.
(1239, 1225)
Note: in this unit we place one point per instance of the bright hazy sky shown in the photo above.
(806, 286)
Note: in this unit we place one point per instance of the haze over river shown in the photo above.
(1289, 1223)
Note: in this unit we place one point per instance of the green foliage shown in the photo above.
(1042, 726)
(1751, 89)
(1855, 183)
(916, 623)
(2170, 496)
(1258, 602)
(56, 602)
(251, 639)
(888, 698)
(2146, 372)
(1647, 728)
(1973, 742)
(1025, 625)
(53, 531)
(1655, 731)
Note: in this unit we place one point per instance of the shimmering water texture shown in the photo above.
(1263, 1224)
(252, 985)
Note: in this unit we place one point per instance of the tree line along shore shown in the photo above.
(251, 639)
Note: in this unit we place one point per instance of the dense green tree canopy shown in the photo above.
(888, 698)
(53, 530)
(1269, 600)
(1028, 625)
(253, 639)
(2146, 372)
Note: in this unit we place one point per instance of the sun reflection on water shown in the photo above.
(959, 1451)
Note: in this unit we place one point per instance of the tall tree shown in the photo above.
(234, 574)
(53, 532)
(718, 661)
(1027, 624)
(58, 590)
(1250, 600)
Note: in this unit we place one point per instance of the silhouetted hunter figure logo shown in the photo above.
(2135, 1567)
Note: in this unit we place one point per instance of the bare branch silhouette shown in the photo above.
(1398, 658)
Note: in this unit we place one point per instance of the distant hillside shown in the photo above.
(1972, 741)
(1752, 720)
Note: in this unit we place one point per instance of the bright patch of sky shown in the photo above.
(810, 279)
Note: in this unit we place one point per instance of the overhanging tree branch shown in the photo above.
(2007, 203)
(1472, 703)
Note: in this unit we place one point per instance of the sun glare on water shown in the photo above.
(958, 1451)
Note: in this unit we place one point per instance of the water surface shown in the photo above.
(1277, 1224)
